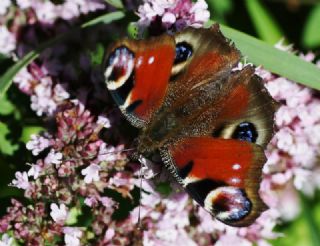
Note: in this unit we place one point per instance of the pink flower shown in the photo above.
(91, 173)
(104, 121)
(91, 201)
(107, 202)
(37, 144)
(23, 80)
(21, 181)
(201, 13)
(34, 171)
(58, 214)
(72, 236)
(46, 12)
(228, 239)
(109, 234)
(174, 14)
(7, 39)
(53, 158)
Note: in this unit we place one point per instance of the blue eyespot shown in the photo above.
(183, 52)
(246, 131)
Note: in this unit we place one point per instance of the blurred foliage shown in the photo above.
(304, 230)
(311, 34)
(295, 20)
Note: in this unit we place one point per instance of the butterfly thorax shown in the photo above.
(156, 134)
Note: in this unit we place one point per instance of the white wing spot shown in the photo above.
(151, 60)
(236, 166)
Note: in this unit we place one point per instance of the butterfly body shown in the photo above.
(208, 123)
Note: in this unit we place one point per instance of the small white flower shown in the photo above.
(34, 171)
(91, 173)
(90, 201)
(59, 215)
(6, 240)
(60, 93)
(23, 4)
(47, 12)
(107, 201)
(37, 144)
(109, 234)
(104, 121)
(169, 18)
(53, 158)
(7, 40)
(4, 5)
(72, 236)
(200, 10)
(21, 181)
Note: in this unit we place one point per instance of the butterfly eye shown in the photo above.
(245, 131)
(183, 52)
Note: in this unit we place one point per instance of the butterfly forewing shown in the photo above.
(137, 75)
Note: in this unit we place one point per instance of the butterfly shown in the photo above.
(208, 122)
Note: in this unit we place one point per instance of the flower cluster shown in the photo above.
(73, 167)
(173, 15)
(82, 190)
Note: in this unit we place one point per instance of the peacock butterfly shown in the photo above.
(209, 123)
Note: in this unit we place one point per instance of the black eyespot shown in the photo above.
(246, 131)
(183, 52)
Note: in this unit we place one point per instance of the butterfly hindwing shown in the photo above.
(222, 175)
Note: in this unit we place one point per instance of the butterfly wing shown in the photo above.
(222, 175)
(137, 75)
(219, 156)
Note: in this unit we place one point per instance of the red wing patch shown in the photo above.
(222, 175)
(223, 160)
(236, 104)
(152, 73)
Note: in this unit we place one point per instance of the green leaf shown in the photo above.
(105, 19)
(279, 62)
(115, 3)
(6, 107)
(6, 79)
(311, 33)
(27, 131)
(267, 29)
(6, 147)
